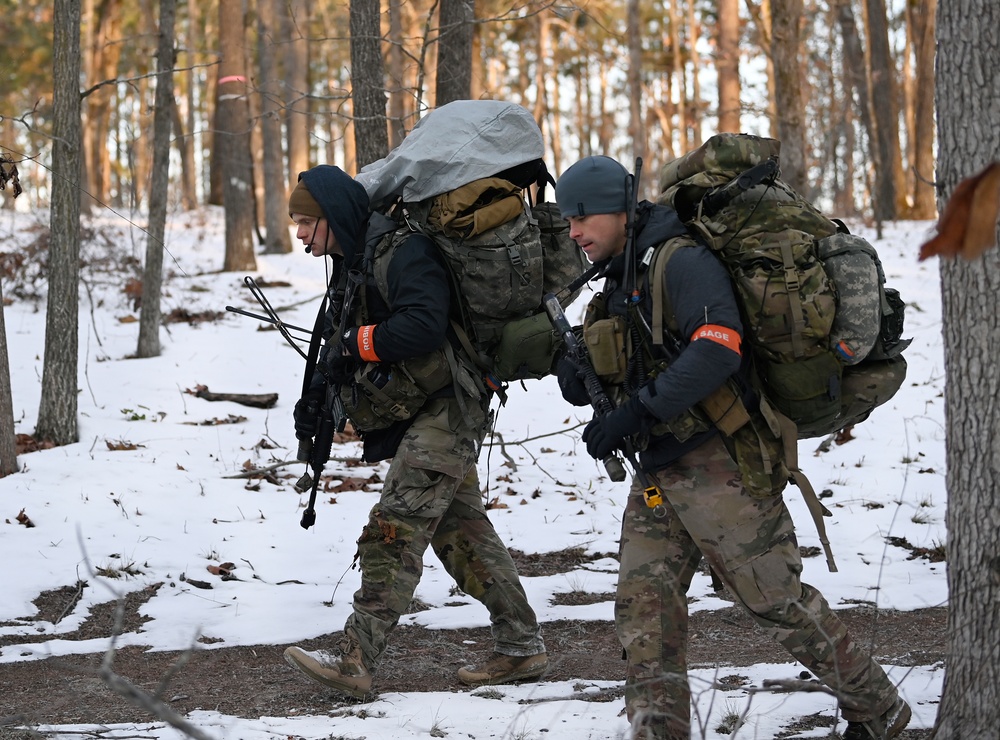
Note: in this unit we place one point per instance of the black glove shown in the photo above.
(306, 413)
(604, 434)
(339, 367)
(358, 342)
(571, 384)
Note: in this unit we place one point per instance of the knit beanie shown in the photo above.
(302, 201)
(592, 185)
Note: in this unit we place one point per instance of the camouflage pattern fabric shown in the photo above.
(750, 543)
(856, 270)
(431, 497)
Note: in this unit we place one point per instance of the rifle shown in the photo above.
(578, 355)
(332, 417)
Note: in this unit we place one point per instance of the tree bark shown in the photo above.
(102, 62)
(8, 438)
(57, 411)
(921, 14)
(855, 77)
(371, 135)
(233, 139)
(454, 62)
(296, 59)
(152, 276)
(277, 239)
(888, 174)
(786, 15)
(397, 75)
(967, 100)
(727, 65)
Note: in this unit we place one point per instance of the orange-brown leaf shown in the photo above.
(968, 225)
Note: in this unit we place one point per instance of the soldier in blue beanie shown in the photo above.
(708, 509)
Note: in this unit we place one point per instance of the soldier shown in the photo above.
(431, 495)
(707, 511)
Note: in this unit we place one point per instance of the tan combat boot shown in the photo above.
(341, 669)
(502, 668)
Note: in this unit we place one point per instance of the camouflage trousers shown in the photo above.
(431, 496)
(750, 543)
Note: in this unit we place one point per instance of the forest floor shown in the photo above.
(254, 681)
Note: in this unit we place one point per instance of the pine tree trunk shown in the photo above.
(152, 276)
(8, 445)
(882, 89)
(454, 63)
(296, 60)
(278, 239)
(922, 14)
(967, 99)
(785, 18)
(727, 65)
(57, 411)
(371, 136)
(233, 140)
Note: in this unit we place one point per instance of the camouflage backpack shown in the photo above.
(503, 256)
(823, 329)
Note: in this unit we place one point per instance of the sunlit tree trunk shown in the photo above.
(786, 15)
(184, 123)
(233, 139)
(727, 64)
(680, 85)
(152, 276)
(967, 100)
(57, 411)
(922, 14)
(397, 75)
(697, 105)
(277, 239)
(454, 62)
(371, 137)
(543, 41)
(296, 61)
(103, 56)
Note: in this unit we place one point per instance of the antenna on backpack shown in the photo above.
(632, 203)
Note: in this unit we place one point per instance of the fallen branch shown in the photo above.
(257, 472)
(256, 400)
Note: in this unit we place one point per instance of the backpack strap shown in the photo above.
(789, 440)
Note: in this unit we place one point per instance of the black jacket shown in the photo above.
(413, 318)
(700, 292)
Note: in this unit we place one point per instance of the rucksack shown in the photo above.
(458, 178)
(824, 331)
(503, 256)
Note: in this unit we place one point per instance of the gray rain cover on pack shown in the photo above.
(451, 146)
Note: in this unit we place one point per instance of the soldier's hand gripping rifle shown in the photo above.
(578, 355)
(332, 416)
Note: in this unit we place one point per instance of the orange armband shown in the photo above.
(723, 335)
(366, 343)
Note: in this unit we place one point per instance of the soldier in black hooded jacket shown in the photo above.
(431, 495)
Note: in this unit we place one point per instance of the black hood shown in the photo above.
(344, 203)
